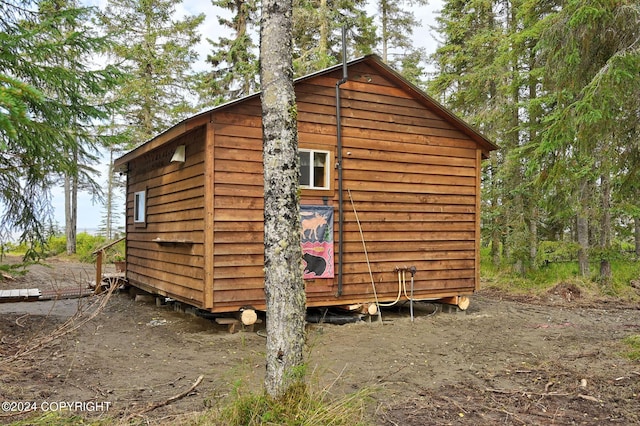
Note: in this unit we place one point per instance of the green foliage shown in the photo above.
(156, 52)
(560, 266)
(50, 96)
(633, 342)
(556, 251)
(57, 245)
(298, 406)
(317, 33)
(234, 61)
(61, 418)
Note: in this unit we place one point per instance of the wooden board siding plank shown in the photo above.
(312, 93)
(185, 215)
(412, 146)
(351, 233)
(444, 201)
(231, 246)
(163, 287)
(246, 178)
(409, 176)
(228, 157)
(209, 214)
(422, 142)
(179, 186)
(408, 188)
(179, 275)
(391, 206)
(142, 234)
(355, 247)
(402, 227)
(175, 207)
(239, 215)
(402, 153)
(415, 164)
(241, 237)
(192, 250)
(186, 193)
(240, 131)
(409, 216)
(176, 227)
(239, 203)
(223, 189)
(394, 130)
(384, 113)
(238, 260)
(407, 253)
(188, 259)
(180, 175)
(240, 273)
(242, 143)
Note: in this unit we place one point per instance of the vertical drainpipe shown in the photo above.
(339, 162)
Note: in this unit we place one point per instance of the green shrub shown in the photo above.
(633, 342)
(299, 406)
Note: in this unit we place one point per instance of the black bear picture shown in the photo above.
(314, 264)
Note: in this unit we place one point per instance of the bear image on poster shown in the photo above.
(314, 264)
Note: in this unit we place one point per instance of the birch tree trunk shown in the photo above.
(284, 286)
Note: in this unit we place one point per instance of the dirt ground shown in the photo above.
(554, 359)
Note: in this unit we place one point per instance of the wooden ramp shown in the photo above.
(19, 295)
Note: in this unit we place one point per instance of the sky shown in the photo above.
(90, 214)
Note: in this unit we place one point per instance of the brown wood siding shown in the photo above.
(238, 277)
(413, 180)
(166, 252)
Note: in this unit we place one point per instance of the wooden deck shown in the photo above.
(19, 295)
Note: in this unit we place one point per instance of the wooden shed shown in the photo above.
(393, 188)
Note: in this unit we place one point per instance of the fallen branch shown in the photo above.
(167, 401)
(588, 398)
(17, 321)
(525, 392)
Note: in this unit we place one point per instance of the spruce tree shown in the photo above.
(396, 25)
(157, 52)
(317, 33)
(51, 95)
(234, 60)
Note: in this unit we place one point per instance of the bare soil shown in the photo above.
(553, 359)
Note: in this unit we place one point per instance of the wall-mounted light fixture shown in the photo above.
(178, 156)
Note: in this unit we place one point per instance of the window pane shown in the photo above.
(319, 169)
(138, 206)
(305, 168)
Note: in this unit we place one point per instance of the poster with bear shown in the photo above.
(317, 241)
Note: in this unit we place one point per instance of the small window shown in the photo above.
(139, 214)
(314, 169)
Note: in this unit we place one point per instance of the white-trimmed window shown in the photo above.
(139, 206)
(314, 169)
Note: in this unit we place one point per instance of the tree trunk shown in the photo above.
(284, 286)
(71, 208)
(108, 222)
(605, 236)
(582, 229)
